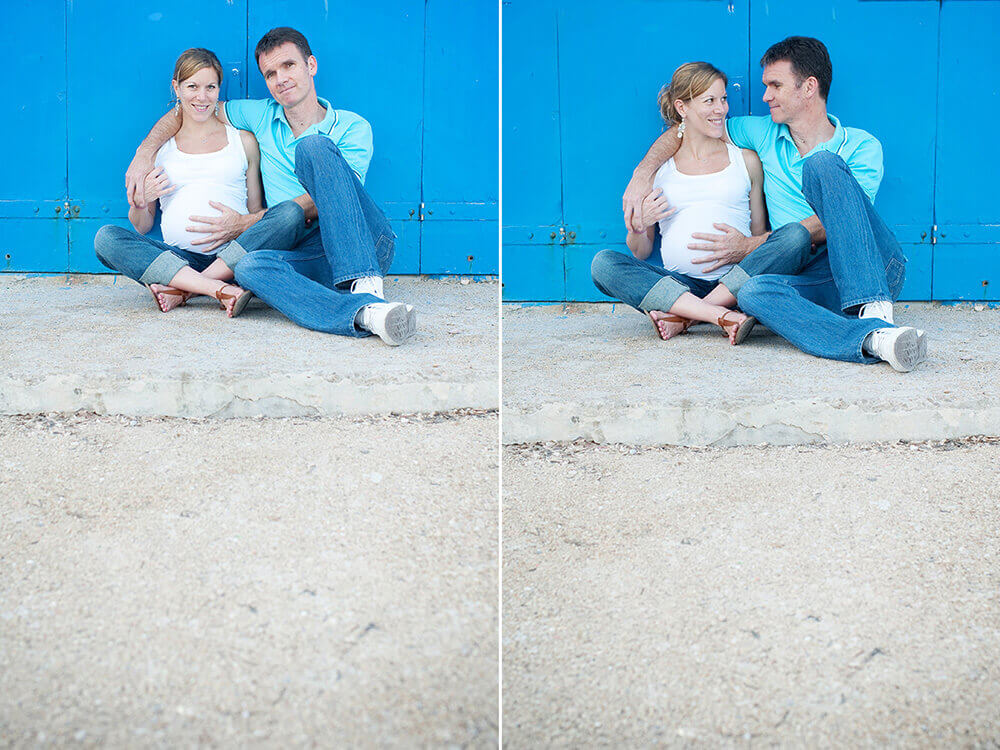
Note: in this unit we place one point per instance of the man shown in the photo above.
(838, 302)
(313, 163)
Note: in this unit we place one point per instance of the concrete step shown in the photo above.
(598, 372)
(99, 343)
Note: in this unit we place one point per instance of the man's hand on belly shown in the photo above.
(227, 226)
(723, 249)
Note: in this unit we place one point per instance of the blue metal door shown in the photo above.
(967, 212)
(33, 186)
(579, 85)
(580, 89)
(103, 74)
(532, 182)
(460, 165)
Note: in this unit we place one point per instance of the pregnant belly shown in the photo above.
(188, 201)
(677, 236)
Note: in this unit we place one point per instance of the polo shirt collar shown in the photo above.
(839, 135)
(325, 125)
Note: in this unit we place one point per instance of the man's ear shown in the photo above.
(812, 86)
(312, 65)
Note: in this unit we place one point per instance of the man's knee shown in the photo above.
(286, 212)
(792, 238)
(822, 165)
(317, 148)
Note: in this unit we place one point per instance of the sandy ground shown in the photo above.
(798, 596)
(252, 583)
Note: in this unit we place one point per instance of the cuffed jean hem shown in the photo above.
(231, 254)
(864, 357)
(734, 279)
(163, 269)
(663, 294)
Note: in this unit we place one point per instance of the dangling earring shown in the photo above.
(216, 109)
(177, 107)
(680, 130)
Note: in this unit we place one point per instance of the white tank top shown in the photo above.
(220, 176)
(701, 201)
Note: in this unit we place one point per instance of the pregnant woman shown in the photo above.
(709, 185)
(207, 168)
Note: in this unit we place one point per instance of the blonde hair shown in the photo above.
(688, 81)
(194, 59)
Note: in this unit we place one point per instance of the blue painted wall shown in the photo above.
(92, 77)
(579, 91)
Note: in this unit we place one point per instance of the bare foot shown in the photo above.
(733, 322)
(227, 295)
(167, 297)
(667, 326)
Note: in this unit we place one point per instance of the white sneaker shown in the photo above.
(368, 285)
(903, 348)
(881, 310)
(393, 322)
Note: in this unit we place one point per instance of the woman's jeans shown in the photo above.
(150, 261)
(647, 287)
(816, 310)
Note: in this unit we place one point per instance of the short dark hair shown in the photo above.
(808, 57)
(281, 35)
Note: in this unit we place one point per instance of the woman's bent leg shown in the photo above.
(636, 283)
(141, 258)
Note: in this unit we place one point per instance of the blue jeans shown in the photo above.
(647, 287)
(352, 238)
(862, 262)
(150, 261)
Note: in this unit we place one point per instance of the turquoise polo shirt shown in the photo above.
(783, 163)
(265, 118)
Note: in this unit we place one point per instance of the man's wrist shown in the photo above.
(252, 218)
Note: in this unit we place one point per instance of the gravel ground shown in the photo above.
(271, 583)
(798, 596)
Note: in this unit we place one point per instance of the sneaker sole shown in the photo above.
(908, 350)
(400, 324)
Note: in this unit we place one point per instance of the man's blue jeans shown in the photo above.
(352, 238)
(816, 310)
(647, 287)
(150, 261)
